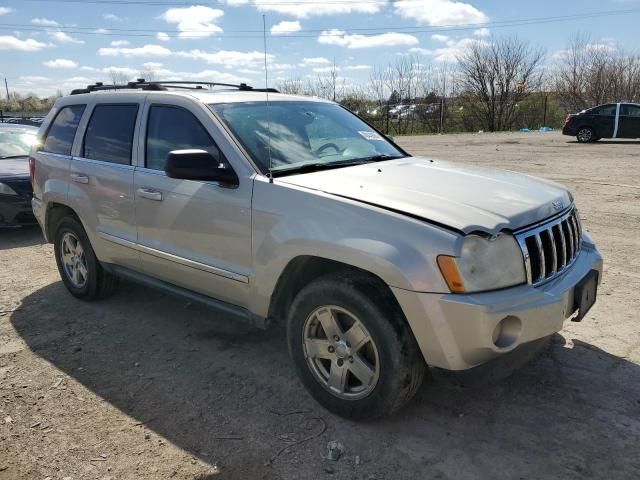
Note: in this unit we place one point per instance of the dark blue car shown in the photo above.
(613, 120)
(15, 182)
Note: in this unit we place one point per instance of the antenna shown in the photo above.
(266, 91)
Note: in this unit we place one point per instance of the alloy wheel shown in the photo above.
(74, 260)
(341, 353)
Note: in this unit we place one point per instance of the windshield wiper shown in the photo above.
(315, 167)
(381, 157)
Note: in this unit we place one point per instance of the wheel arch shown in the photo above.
(53, 214)
(304, 269)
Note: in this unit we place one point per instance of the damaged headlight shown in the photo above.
(484, 264)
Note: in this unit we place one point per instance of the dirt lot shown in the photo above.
(147, 386)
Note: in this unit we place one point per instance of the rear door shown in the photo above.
(604, 120)
(629, 123)
(101, 177)
(194, 234)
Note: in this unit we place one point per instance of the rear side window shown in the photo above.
(604, 110)
(63, 130)
(174, 128)
(109, 135)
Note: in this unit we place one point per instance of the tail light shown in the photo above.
(32, 169)
(567, 120)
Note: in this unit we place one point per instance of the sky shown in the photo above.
(51, 45)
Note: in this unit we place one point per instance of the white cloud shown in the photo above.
(308, 8)
(311, 61)
(357, 67)
(62, 37)
(235, 3)
(439, 38)
(112, 17)
(119, 43)
(101, 31)
(60, 63)
(326, 69)
(152, 65)
(605, 45)
(145, 51)
(195, 21)
(440, 12)
(8, 42)
(452, 51)
(163, 37)
(228, 58)
(286, 28)
(343, 39)
(482, 32)
(121, 70)
(44, 21)
(5, 10)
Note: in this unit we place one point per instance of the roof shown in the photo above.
(206, 92)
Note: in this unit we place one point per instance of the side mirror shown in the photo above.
(198, 165)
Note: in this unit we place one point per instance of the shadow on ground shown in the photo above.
(227, 393)
(20, 237)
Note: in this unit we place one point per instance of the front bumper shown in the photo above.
(15, 211)
(458, 332)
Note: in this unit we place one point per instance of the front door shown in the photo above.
(194, 234)
(629, 123)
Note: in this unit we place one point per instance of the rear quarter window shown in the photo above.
(59, 138)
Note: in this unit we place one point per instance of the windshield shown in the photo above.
(289, 135)
(15, 143)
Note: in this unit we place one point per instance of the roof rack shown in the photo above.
(142, 84)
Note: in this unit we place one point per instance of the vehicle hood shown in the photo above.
(14, 167)
(463, 197)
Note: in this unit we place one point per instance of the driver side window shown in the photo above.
(174, 128)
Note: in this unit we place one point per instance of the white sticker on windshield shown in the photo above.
(371, 135)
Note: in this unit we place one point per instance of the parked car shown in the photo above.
(613, 120)
(15, 183)
(278, 207)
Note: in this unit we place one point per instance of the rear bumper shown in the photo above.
(38, 213)
(15, 211)
(458, 332)
(570, 131)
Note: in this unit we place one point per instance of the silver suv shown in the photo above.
(277, 207)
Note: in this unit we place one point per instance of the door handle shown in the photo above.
(79, 178)
(150, 194)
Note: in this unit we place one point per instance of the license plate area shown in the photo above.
(584, 295)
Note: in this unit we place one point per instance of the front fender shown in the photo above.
(290, 221)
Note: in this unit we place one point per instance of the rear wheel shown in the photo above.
(586, 135)
(355, 355)
(79, 268)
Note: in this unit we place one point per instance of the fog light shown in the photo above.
(507, 332)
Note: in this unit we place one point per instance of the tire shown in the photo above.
(361, 308)
(74, 254)
(586, 135)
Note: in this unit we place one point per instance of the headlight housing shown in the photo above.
(484, 264)
(6, 189)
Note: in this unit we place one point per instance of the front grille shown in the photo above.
(551, 247)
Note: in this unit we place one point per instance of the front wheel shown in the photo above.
(586, 135)
(352, 348)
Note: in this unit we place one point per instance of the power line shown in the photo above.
(368, 31)
(449, 27)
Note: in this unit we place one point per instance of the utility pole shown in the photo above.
(6, 85)
(544, 117)
(444, 94)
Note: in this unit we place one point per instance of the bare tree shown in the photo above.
(117, 77)
(494, 77)
(293, 86)
(589, 73)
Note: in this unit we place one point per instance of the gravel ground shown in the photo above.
(147, 386)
